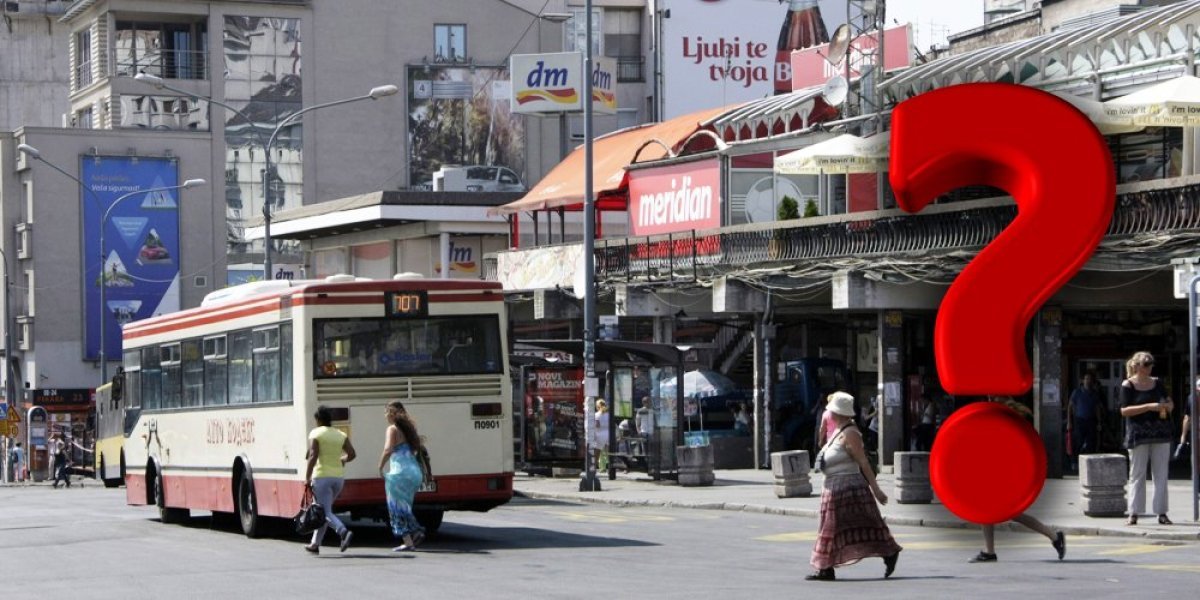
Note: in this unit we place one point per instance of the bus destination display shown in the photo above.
(407, 304)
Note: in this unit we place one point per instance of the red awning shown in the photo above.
(563, 185)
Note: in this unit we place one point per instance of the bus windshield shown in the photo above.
(358, 347)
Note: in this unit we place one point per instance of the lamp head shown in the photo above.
(191, 183)
(383, 90)
(153, 80)
(30, 150)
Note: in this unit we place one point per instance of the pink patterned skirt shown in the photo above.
(851, 526)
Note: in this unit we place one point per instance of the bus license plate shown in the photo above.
(428, 486)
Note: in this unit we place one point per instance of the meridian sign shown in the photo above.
(551, 83)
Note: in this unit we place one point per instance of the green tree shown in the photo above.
(810, 209)
(788, 209)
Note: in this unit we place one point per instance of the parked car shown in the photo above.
(477, 178)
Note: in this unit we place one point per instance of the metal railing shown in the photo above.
(631, 69)
(169, 64)
(1157, 208)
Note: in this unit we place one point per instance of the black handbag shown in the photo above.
(311, 516)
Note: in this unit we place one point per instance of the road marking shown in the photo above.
(1135, 549)
(1183, 568)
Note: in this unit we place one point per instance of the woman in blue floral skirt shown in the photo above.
(401, 471)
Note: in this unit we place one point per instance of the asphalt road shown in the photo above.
(85, 543)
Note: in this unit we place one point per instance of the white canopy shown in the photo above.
(1096, 111)
(842, 154)
(1171, 103)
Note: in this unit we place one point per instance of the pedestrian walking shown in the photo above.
(16, 460)
(851, 527)
(1083, 415)
(644, 419)
(1185, 438)
(1146, 408)
(1057, 539)
(402, 476)
(62, 464)
(328, 452)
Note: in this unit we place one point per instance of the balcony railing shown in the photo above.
(1152, 222)
(171, 64)
(631, 69)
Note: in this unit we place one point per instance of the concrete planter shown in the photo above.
(791, 474)
(912, 478)
(1102, 480)
(695, 465)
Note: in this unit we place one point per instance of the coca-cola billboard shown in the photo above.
(675, 198)
(719, 52)
(810, 69)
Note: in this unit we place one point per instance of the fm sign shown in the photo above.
(988, 464)
(553, 83)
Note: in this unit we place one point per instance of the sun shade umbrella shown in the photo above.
(1171, 103)
(843, 154)
(1098, 113)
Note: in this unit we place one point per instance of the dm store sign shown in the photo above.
(551, 83)
(139, 265)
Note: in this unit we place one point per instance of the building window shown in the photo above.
(83, 59)
(576, 31)
(623, 41)
(169, 50)
(83, 119)
(449, 43)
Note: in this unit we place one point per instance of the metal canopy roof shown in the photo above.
(768, 112)
(1079, 51)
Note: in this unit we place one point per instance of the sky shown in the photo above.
(933, 20)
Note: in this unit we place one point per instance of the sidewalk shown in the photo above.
(1059, 506)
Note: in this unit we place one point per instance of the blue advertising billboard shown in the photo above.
(140, 264)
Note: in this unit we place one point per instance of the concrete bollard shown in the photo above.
(695, 465)
(1102, 480)
(912, 478)
(791, 474)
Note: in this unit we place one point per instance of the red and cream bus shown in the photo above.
(217, 401)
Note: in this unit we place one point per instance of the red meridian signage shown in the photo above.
(675, 198)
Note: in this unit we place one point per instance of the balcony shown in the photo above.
(1152, 223)
(631, 69)
(172, 64)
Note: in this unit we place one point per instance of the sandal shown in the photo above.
(821, 575)
(983, 557)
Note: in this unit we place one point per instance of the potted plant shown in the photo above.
(788, 209)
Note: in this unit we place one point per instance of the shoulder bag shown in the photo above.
(311, 516)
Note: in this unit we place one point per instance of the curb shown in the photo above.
(890, 520)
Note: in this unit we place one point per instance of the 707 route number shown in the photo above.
(488, 424)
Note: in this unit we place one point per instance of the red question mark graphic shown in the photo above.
(988, 465)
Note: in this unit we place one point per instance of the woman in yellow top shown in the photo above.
(328, 452)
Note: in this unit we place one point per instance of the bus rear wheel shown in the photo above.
(167, 514)
(429, 518)
(247, 507)
(109, 482)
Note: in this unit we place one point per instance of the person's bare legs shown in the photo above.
(1035, 525)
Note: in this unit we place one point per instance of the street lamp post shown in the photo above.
(37, 155)
(268, 198)
(190, 183)
(590, 482)
(10, 387)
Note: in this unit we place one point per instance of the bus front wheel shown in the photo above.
(167, 514)
(247, 507)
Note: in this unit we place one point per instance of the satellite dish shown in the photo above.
(839, 44)
(835, 90)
